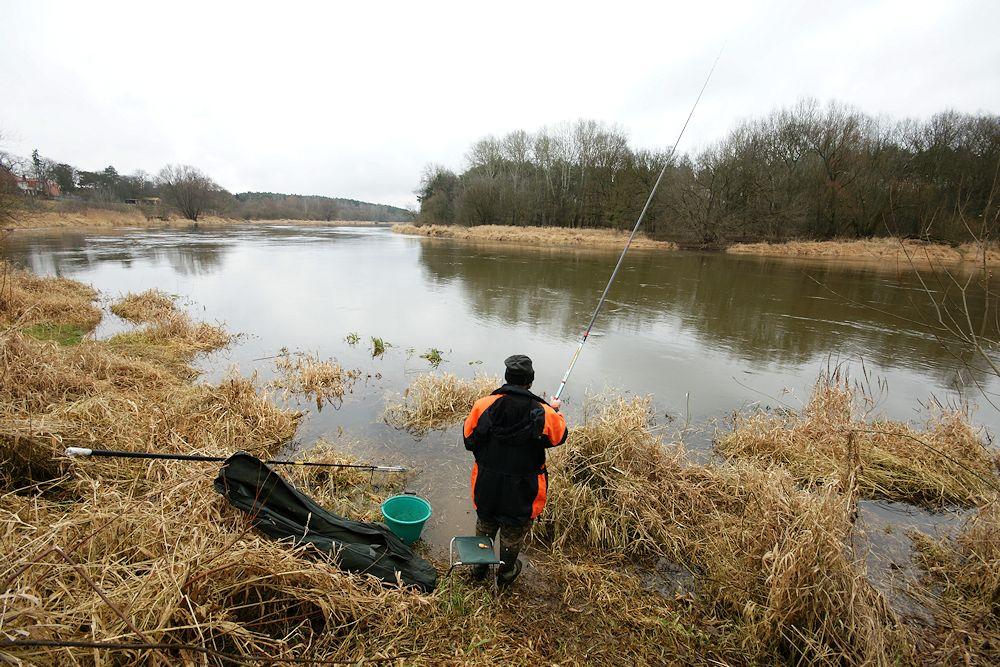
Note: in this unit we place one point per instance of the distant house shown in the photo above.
(36, 186)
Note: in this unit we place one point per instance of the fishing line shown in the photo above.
(635, 229)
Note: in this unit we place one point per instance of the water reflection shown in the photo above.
(764, 311)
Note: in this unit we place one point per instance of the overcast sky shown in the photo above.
(353, 99)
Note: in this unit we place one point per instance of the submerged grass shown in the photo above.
(325, 381)
(945, 463)
(962, 587)
(435, 401)
(149, 306)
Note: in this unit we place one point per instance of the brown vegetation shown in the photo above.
(144, 307)
(962, 588)
(550, 236)
(325, 381)
(769, 557)
(57, 215)
(898, 252)
(435, 401)
(27, 299)
(946, 463)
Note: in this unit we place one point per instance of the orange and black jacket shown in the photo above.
(508, 432)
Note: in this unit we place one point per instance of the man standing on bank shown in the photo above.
(508, 432)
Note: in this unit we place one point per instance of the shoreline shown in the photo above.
(553, 236)
(98, 218)
(885, 249)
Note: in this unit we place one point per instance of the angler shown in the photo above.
(508, 433)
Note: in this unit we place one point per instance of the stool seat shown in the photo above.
(473, 551)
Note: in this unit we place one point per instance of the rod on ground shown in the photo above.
(635, 229)
(111, 453)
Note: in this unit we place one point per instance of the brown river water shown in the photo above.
(705, 333)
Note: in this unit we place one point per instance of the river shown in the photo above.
(705, 333)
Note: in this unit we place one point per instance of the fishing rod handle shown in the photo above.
(78, 451)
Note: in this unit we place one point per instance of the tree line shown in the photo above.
(183, 189)
(809, 171)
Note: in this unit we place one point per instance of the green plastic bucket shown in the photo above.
(406, 516)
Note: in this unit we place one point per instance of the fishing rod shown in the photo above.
(635, 229)
(112, 453)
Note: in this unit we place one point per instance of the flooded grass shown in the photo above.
(549, 236)
(962, 588)
(830, 439)
(435, 401)
(323, 380)
(148, 306)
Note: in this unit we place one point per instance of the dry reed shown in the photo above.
(548, 236)
(768, 556)
(27, 299)
(149, 306)
(896, 251)
(962, 587)
(436, 401)
(325, 381)
(944, 463)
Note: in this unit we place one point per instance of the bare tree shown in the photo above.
(8, 187)
(189, 190)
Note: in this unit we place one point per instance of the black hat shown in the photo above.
(519, 370)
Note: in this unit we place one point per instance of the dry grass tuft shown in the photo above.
(436, 401)
(325, 381)
(149, 306)
(962, 587)
(171, 341)
(772, 558)
(548, 236)
(945, 463)
(27, 299)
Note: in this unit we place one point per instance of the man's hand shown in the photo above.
(555, 403)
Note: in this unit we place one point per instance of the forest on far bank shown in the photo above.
(811, 171)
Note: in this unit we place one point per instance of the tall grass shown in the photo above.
(772, 558)
(435, 401)
(945, 463)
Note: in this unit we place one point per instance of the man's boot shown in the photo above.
(510, 569)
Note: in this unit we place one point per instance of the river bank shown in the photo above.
(51, 216)
(897, 252)
(760, 559)
(543, 236)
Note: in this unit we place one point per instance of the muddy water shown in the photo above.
(706, 334)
